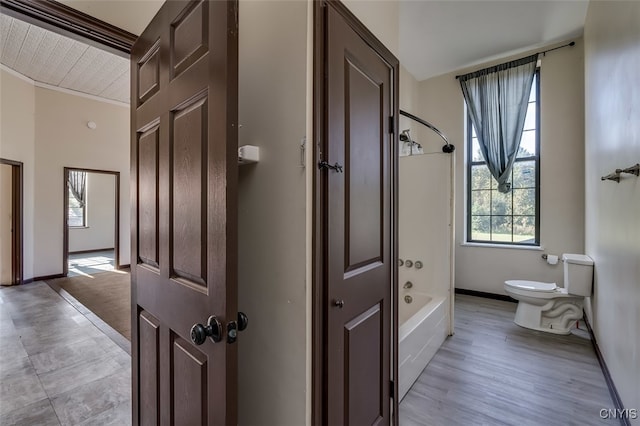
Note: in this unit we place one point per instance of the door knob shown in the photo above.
(243, 321)
(213, 329)
(339, 303)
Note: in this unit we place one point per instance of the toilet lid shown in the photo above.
(532, 285)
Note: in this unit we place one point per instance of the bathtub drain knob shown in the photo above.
(339, 303)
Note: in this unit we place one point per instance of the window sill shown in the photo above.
(503, 246)
(79, 227)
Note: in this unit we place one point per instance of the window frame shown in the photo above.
(469, 191)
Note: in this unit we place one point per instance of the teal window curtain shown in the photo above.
(496, 99)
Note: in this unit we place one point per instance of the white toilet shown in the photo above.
(547, 307)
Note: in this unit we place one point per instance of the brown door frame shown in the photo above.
(65, 223)
(319, 290)
(17, 236)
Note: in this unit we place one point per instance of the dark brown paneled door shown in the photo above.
(184, 230)
(359, 223)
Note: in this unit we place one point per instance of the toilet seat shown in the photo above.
(534, 286)
(535, 290)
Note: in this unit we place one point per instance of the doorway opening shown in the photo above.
(91, 221)
(11, 232)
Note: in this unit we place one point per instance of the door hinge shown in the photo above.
(391, 125)
(391, 389)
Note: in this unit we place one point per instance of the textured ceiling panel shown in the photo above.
(17, 31)
(119, 86)
(50, 58)
(29, 48)
(57, 63)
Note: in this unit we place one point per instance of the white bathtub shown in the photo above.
(423, 328)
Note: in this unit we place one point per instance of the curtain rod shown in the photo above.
(544, 52)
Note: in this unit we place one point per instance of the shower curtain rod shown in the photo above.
(448, 148)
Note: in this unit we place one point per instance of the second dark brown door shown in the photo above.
(359, 224)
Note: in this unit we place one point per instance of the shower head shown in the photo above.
(405, 136)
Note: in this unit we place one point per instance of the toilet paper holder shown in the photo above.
(545, 256)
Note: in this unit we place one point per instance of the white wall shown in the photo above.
(64, 140)
(410, 102)
(381, 17)
(17, 142)
(562, 172)
(100, 202)
(272, 356)
(612, 92)
(5, 223)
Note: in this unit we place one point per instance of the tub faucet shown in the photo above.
(408, 284)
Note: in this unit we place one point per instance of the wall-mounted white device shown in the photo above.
(248, 154)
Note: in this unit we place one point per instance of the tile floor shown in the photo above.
(56, 367)
(91, 263)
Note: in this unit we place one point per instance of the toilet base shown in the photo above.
(555, 316)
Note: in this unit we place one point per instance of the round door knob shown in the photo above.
(198, 334)
(339, 303)
(243, 321)
(213, 329)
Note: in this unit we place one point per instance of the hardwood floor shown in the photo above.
(493, 372)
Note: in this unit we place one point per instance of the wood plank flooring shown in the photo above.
(493, 372)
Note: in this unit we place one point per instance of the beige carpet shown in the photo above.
(107, 294)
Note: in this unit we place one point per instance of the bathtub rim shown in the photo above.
(412, 322)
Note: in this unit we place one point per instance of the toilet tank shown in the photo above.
(578, 274)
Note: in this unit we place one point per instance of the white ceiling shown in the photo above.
(47, 57)
(130, 15)
(436, 37)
